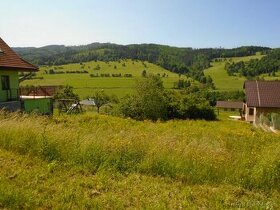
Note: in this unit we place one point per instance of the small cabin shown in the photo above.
(262, 97)
(230, 105)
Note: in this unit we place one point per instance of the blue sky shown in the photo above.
(183, 23)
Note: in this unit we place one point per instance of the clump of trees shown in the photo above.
(147, 103)
(109, 75)
(152, 102)
(181, 84)
(188, 106)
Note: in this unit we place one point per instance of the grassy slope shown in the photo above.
(222, 80)
(92, 161)
(84, 85)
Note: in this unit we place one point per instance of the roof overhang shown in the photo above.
(15, 68)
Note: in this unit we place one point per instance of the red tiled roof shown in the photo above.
(230, 104)
(9, 60)
(263, 94)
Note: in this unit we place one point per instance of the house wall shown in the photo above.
(266, 111)
(11, 106)
(257, 112)
(41, 106)
(248, 117)
(14, 84)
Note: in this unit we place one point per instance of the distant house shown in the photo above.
(262, 97)
(10, 98)
(230, 105)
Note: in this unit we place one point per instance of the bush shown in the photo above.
(188, 106)
(275, 118)
(105, 75)
(77, 72)
(117, 75)
(94, 75)
(97, 67)
(127, 75)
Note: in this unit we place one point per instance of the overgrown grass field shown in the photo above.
(84, 85)
(103, 162)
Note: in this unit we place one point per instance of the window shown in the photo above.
(5, 80)
(251, 111)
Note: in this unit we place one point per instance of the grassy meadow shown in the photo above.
(84, 85)
(222, 80)
(92, 161)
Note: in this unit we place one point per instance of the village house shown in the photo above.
(10, 98)
(262, 97)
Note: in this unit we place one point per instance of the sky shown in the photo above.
(182, 23)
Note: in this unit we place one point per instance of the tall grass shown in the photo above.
(194, 152)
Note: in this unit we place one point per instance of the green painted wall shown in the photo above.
(42, 106)
(14, 84)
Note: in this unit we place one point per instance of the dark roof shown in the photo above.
(262, 93)
(39, 91)
(230, 104)
(9, 60)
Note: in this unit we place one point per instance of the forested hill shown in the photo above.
(268, 64)
(180, 60)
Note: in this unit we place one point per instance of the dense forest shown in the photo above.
(180, 60)
(269, 64)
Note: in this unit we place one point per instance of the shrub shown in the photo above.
(127, 75)
(97, 67)
(94, 75)
(144, 73)
(117, 75)
(275, 118)
(188, 106)
(105, 75)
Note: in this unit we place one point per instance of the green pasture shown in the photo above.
(85, 85)
(221, 79)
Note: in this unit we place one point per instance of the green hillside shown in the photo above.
(84, 84)
(175, 59)
(224, 82)
(221, 79)
(101, 162)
